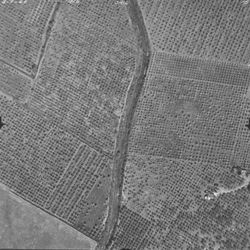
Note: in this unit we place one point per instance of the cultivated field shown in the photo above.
(208, 29)
(127, 121)
(188, 132)
(62, 96)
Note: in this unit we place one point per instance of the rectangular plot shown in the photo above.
(183, 118)
(69, 182)
(199, 69)
(198, 28)
(78, 154)
(21, 36)
(82, 174)
(67, 177)
(131, 230)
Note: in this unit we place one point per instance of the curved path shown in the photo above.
(144, 54)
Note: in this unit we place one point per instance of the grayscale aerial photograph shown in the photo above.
(125, 124)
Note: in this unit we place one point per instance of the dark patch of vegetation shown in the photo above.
(248, 125)
(1, 123)
(248, 187)
(236, 170)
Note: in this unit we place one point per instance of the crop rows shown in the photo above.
(177, 217)
(57, 144)
(241, 155)
(22, 28)
(213, 29)
(46, 165)
(200, 69)
(147, 180)
(90, 212)
(109, 15)
(86, 71)
(190, 122)
(74, 178)
(84, 178)
(131, 230)
(35, 149)
(186, 119)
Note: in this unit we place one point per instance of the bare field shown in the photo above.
(26, 227)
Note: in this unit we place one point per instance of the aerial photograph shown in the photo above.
(125, 124)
